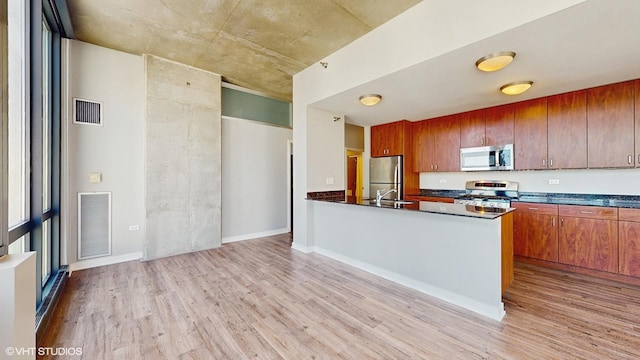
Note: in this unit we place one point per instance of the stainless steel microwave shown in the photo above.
(487, 158)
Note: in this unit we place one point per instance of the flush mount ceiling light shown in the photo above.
(495, 61)
(370, 99)
(516, 88)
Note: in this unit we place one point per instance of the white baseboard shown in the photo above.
(230, 239)
(304, 249)
(102, 261)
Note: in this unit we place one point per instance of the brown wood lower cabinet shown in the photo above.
(430, 198)
(588, 237)
(629, 242)
(535, 231)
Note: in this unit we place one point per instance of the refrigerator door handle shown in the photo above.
(396, 184)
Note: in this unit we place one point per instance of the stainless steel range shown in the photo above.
(489, 193)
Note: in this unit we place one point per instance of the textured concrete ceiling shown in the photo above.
(258, 44)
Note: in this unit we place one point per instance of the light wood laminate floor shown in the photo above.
(261, 299)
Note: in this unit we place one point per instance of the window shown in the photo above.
(4, 240)
(33, 137)
(18, 209)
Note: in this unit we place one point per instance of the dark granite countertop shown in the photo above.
(429, 207)
(623, 201)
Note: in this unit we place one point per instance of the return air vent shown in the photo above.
(87, 112)
(94, 225)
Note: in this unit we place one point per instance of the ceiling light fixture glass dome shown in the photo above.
(516, 87)
(495, 61)
(370, 99)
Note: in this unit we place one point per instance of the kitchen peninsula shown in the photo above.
(450, 251)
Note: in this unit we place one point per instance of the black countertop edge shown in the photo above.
(622, 201)
(428, 207)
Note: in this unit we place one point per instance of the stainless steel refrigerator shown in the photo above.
(385, 173)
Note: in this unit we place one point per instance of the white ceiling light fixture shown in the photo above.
(495, 61)
(370, 99)
(516, 87)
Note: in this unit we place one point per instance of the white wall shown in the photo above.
(325, 146)
(255, 185)
(591, 181)
(115, 150)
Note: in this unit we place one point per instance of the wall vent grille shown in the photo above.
(94, 225)
(87, 112)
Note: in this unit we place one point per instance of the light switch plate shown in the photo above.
(554, 182)
(95, 177)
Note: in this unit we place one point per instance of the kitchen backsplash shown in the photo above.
(584, 181)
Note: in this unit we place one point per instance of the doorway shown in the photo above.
(290, 186)
(354, 176)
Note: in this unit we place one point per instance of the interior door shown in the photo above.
(352, 176)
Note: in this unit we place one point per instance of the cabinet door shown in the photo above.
(387, 139)
(395, 138)
(535, 230)
(472, 128)
(610, 125)
(629, 252)
(530, 119)
(446, 139)
(378, 143)
(422, 146)
(637, 122)
(567, 130)
(589, 243)
(431, 199)
(499, 125)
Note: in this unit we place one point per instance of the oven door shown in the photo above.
(487, 158)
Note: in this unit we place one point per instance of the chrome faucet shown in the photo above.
(379, 196)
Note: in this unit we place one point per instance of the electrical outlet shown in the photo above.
(554, 182)
(329, 181)
(443, 181)
(134, 227)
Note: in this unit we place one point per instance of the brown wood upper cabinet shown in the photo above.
(610, 125)
(567, 130)
(530, 130)
(388, 139)
(499, 125)
(436, 144)
(472, 129)
(492, 126)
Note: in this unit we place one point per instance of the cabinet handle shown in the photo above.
(638, 159)
(482, 142)
(550, 162)
(561, 222)
(586, 212)
(553, 221)
(533, 208)
(436, 166)
(544, 163)
(630, 159)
